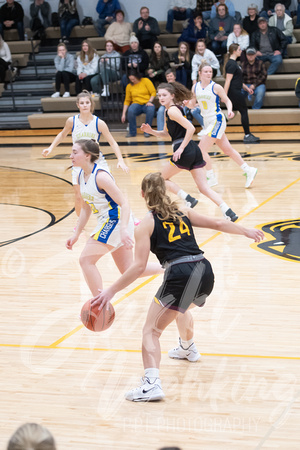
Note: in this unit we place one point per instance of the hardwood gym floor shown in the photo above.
(245, 391)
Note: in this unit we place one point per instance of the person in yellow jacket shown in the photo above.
(140, 93)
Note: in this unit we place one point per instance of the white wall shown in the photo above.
(158, 8)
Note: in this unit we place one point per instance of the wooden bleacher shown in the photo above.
(280, 105)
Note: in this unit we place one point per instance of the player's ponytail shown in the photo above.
(179, 91)
(157, 200)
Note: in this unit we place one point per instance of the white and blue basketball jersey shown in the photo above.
(89, 131)
(100, 202)
(208, 101)
(82, 131)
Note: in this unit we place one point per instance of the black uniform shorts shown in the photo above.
(191, 157)
(185, 283)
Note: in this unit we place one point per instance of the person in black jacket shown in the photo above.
(250, 21)
(135, 58)
(11, 17)
(269, 43)
(146, 29)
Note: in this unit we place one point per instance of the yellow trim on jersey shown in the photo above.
(158, 302)
(96, 235)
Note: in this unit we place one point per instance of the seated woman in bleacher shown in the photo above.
(219, 29)
(68, 18)
(64, 65)
(203, 53)
(5, 59)
(109, 70)
(196, 29)
(140, 93)
(241, 37)
(182, 60)
(87, 67)
(250, 22)
(119, 33)
(158, 64)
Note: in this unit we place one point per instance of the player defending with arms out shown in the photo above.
(208, 94)
(188, 279)
(86, 125)
(187, 154)
(114, 230)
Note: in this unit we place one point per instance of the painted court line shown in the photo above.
(126, 350)
(71, 333)
(63, 338)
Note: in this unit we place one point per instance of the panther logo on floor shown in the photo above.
(282, 239)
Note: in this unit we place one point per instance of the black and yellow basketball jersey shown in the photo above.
(175, 130)
(171, 240)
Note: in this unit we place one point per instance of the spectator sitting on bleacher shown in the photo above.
(241, 37)
(5, 59)
(159, 62)
(219, 29)
(179, 10)
(255, 77)
(68, 18)
(40, 18)
(110, 64)
(135, 58)
(250, 21)
(228, 3)
(146, 28)
(203, 54)
(64, 65)
(284, 23)
(140, 94)
(87, 67)
(269, 43)
(11, 17)
(205, 7)
(106, 10)
(182, 60)
(119, 33)
(269, 7)
(196, 29)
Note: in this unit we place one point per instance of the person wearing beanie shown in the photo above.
(134, 58)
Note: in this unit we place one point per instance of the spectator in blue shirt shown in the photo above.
(106, 10)
(195, 30)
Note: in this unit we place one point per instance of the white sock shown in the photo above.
(210, 173)
(245, 167)
(152, 374)
(181, 194)
(186, 344)
(224, 207)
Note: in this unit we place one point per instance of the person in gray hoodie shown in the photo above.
(109, 70)
(219, 29)
(64, 65)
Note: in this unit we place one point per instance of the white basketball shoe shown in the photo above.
(147, 392)
(191, 353)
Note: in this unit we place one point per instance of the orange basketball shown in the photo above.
(96, 320)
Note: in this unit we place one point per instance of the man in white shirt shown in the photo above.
(179, 10)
